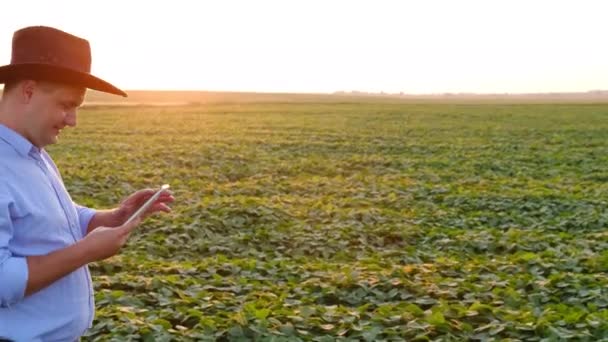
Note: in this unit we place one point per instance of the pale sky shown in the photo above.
(426, 46)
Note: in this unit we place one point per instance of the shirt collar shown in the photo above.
(17, 141)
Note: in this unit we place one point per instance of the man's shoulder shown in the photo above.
(6, 148)
(8, 155)
(12, 164)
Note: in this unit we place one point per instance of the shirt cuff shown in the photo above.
(14, 274)
(84, 217)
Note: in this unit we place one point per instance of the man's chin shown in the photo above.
(51, 141)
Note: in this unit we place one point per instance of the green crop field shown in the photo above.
(354, 220)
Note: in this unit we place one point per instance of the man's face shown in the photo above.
(51, 107)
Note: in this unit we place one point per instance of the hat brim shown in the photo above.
(58, 74)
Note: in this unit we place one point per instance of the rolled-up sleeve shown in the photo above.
(84, 217)
(13, 270)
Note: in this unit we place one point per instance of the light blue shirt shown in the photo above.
(37, 217)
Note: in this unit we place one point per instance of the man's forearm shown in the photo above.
(44, 270)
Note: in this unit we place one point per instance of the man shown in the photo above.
(46, 240)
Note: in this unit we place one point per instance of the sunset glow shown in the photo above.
(326, 46)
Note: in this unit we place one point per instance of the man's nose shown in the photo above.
(70, 118)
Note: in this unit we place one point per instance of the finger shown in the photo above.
(129, 227)
(161, 207)
(143, 195)
(165, 200)
(157, 208)
(166, 196)
(147, 193)
(138, 197)
(124, 238)
(165, 208)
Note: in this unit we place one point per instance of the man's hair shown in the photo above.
(47, 86)
(9, 85)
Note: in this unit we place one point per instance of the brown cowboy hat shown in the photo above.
(49, 54)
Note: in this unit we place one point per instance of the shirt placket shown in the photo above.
(60, 194)
(66, 204)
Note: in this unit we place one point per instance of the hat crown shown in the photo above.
(46, 53)
(47, 45)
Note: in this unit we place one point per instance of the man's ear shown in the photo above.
(27, 88)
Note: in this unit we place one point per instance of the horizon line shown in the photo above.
(363, 92)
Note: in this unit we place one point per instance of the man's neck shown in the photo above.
(6, 118)
(9, 116)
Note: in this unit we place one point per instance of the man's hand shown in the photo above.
(117, 217)
(130, 205)
(104, 242)
(100, 244)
